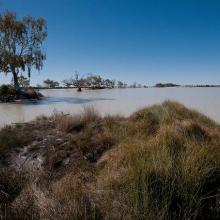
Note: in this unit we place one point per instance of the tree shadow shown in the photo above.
(63, 100)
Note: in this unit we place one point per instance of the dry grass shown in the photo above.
(67, 123)
(13, 138)
(171, 174)
(163, 162)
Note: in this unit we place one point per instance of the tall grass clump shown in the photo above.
(172, 174)
(162, 162)
(11, 138)
(67, 123)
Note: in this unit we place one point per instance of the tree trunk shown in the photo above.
(79, 89)
(16, 83)
(27, 94)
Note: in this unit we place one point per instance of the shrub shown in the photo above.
(7, 90)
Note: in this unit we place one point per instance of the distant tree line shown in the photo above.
(202, 85)
(91, 81)
(161, 85)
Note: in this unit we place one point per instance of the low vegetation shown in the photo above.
(162, 162)
(9, 94)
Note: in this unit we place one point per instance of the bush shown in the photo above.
(7, 90)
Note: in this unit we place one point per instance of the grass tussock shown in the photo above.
(13, 138)
(77, 122)
(162, 162)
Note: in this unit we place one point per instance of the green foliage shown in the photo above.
(7, 90)
(23, 81)
(51, 83)
(161, 85)
(91, 81)
(20, 44)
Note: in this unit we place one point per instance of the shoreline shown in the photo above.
(211, 86)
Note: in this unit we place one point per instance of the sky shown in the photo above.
(145, 41)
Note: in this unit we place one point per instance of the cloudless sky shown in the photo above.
(145, 41)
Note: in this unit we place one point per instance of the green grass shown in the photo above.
(162, 162)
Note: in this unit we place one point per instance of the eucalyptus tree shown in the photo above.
(77, 81)
(51, 83)
(120, 84)
(109, 83)
(67, 82)
(95, 81)
(21, 45)
(134, 85)
(23, 81)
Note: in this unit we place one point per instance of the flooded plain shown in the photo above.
(110, 101)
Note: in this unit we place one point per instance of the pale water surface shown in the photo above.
(110, 101)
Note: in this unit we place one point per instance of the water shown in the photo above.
(110, 101)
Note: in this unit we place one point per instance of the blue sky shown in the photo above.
(144, 41)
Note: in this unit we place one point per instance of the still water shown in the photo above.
(110, 101)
